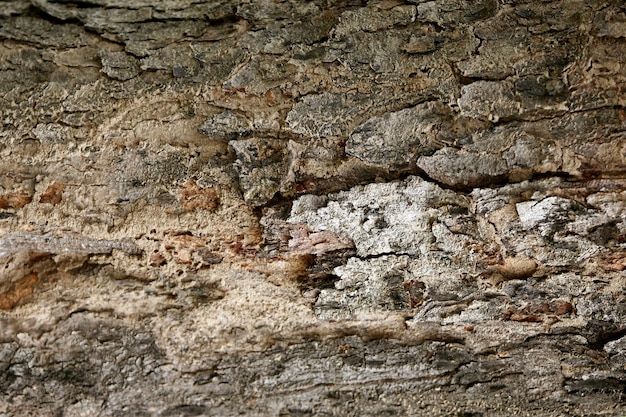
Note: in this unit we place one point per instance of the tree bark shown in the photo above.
(331, 207)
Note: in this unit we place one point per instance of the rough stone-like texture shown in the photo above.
(330, 207)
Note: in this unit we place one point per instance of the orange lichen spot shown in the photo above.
(16, 199)
(18, 291)
(53, 194)
(193, 197)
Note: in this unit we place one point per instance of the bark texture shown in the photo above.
(330, 207)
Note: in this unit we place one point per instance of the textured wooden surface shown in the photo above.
(281, 208)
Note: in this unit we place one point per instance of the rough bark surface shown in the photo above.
(330, 207)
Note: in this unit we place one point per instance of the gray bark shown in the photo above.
(330, 207)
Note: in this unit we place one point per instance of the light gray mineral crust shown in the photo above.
(384, 218)
(447, 237)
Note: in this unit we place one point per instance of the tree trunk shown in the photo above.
(331, 207)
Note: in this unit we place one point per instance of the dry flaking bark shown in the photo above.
(329, 207)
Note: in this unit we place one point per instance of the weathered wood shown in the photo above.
(312, 208)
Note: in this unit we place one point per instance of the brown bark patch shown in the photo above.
(15, 199)
(535, 313)
(53, 194)
(156, 259)
(18, 291)
(518, 267)
(613, 262)
(193, 197)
